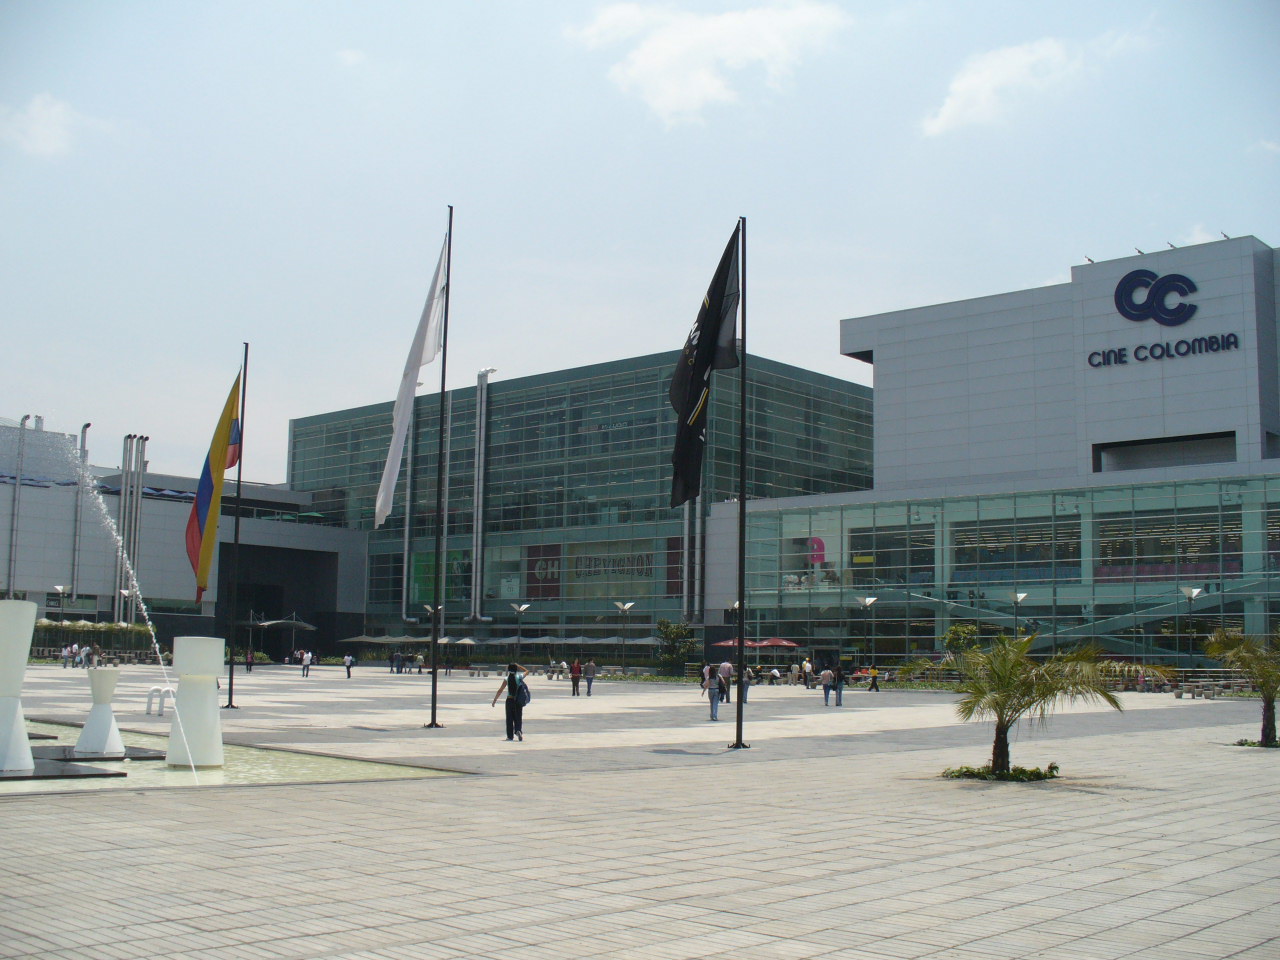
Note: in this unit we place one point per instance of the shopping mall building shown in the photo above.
(1090, 460)
(558, 492)
(1096, 459)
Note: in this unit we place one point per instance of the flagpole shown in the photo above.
(406, 577)
(437, 612)
(742, 494)
(235, 544)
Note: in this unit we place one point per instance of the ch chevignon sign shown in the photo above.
(1164, 300)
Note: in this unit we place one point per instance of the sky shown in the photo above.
(178, 178)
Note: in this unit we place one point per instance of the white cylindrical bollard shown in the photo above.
(195, 735)
(17, 624)
(100, 736)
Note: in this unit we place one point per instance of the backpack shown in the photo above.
(523, 694)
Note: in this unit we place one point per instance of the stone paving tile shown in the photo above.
(625, 831)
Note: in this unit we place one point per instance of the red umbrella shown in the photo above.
(734, 643)
(775, 642)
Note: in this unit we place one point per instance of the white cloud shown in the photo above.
(351, 58)
(46, 127)
(680, 62)
(982, 90)
(1270, 146)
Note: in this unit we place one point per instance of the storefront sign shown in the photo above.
(1156, 305)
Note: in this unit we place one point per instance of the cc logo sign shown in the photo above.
(1154, 305)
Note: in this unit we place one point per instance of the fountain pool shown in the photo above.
(241, 766)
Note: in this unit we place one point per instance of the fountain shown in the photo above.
(195, 737)
(100, 737)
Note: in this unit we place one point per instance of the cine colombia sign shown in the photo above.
(1156, 306)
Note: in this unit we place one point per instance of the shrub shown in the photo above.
(1018, 774)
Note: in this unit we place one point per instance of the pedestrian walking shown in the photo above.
(711, 686)
(726, 676)
(248, 662)
(837, 677)
(513, 686)
(826, 677)
(589, 672)
(747, 678)
(306, 663)
(346, 662)
(875, 683)
(575, 675)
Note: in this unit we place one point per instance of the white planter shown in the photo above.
(17, 625)
(100, 736)
(195, 736)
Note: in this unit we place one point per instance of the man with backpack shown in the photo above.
(517, 691)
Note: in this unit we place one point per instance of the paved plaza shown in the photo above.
(623, 829)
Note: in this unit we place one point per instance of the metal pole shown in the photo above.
(81, 478)
(479, 461)
(685, 566)
(235, 544)
(17, 500)
(441, 477)
(738, 743)
(135, 541)
(405, 554)
(126, 456)
(699, 559)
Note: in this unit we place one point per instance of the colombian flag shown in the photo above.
(202, 526)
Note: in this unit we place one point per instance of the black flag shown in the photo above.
(710, 347)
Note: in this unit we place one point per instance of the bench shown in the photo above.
(160, 692)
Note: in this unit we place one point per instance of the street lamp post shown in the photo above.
(62, 614)
(437, 629)
(1190, 593)
(623, 610)
(1017, 599)
(519, 608)
(868, 636)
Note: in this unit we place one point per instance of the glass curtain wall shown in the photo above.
(577, 479)
(1147, 571)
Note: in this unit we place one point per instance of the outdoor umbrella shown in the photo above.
(290, 623)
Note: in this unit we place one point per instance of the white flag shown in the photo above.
(426, 346)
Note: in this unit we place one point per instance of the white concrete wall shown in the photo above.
(998, 391)
(1208, 393)
(44, 548)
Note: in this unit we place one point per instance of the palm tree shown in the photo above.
(1003, 683)
(1259, 661)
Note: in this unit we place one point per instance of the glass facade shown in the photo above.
(576, 479)
(1147, 571)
